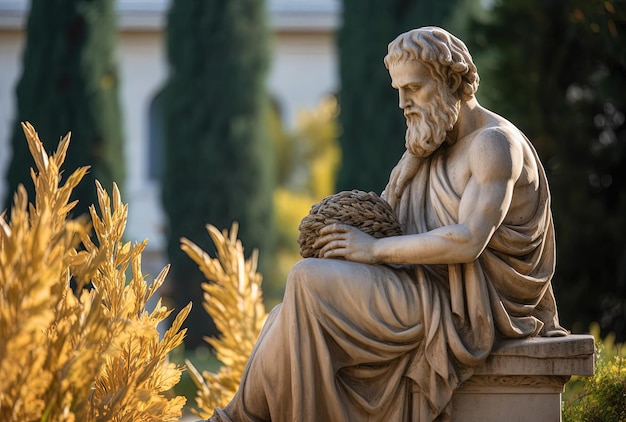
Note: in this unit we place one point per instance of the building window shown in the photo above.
(156, 138)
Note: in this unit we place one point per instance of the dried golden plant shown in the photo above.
(92, 356)
(235, 302)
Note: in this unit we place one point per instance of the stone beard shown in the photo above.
(427, 127)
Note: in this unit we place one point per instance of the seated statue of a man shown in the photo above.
(375, 320)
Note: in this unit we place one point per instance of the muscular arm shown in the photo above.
(495, 162)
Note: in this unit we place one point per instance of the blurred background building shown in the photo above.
(303, 71)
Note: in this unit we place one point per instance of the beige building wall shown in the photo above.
(303, 71)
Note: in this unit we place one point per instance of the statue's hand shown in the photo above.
(347, 242)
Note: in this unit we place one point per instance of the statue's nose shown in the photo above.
(403, 100)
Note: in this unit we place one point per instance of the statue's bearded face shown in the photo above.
(427, 127)
(430, 109)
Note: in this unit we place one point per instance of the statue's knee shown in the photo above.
(305, 266)
(307, 273)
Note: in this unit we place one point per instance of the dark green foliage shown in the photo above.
(373, 127)
(558, 70)
(70, 83)
(218, 157)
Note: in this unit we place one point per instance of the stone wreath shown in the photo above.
(364, 210)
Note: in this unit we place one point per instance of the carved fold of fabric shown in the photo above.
(520, 262)
(465, 303)
(337, 349)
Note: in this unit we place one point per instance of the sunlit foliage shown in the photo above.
(601, 397)
(308, 159)
(235, 303)
(91, 352)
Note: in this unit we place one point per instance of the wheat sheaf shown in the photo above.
(89, 352)
(364, 210)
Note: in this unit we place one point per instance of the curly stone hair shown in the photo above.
(443, 52)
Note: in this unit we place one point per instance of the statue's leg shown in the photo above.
(343, 328)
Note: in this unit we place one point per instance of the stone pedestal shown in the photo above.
(522, 380)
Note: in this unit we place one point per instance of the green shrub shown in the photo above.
(602, 397)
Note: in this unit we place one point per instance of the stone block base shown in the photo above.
(509, 398)
(522, 380)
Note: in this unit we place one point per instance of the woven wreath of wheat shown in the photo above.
(363, 210)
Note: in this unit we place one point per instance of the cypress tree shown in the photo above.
(218, 157)
(70, 83)
(373, 127)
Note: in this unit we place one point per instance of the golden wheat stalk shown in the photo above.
(234, 300)
(94, 355)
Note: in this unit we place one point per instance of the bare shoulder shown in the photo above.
(497, 139)
(497, 151)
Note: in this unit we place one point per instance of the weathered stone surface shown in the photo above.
(522, 380)
(569, 355)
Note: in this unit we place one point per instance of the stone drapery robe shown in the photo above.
(505, 292)
(351, 341)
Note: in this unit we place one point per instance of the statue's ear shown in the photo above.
(454, 82)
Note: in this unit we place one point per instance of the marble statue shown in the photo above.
(374, 320)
